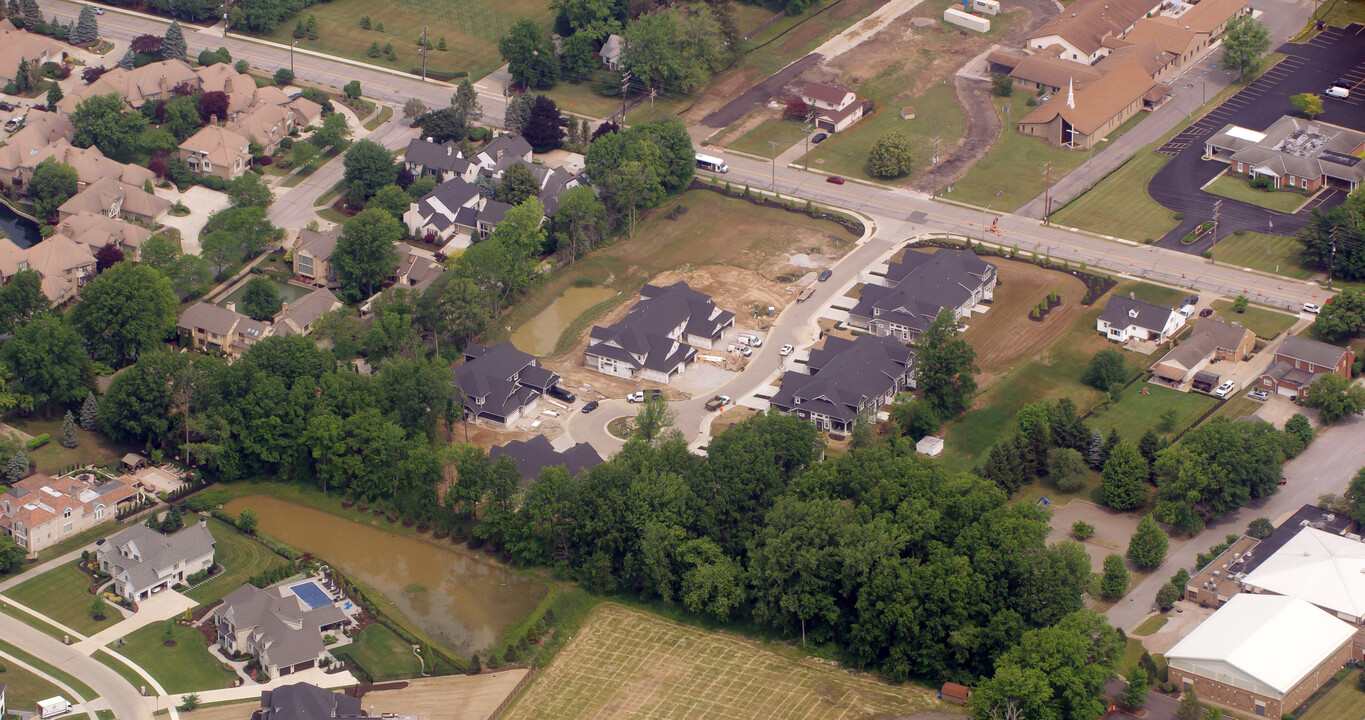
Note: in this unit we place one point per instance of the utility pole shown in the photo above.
(773, 154)
(1217, 208)
(937, 138)
(424, 53)
(1332, 259)
(1047, 193)
(652, 93)
(625, 86)
(291, 56)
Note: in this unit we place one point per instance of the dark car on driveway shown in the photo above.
(561, 394)
(589, 407)
(1206, 312)
(818, 138)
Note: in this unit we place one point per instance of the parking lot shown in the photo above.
(1334, 55)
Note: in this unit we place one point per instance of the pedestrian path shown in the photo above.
(164, 605)
(76, 697)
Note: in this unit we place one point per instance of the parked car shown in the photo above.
(637, 396)
(717, 402)
(590, 407)
(1206, 312)
(785, 350)
(1259, 395)
(835, 179)
(5, 107)
(1191, 300)
(1339, 91)
(824, 275)
(1312, 308)
(1225, 389)
(818, 138)
(99, 11)
(561, 394)
(1186, 310)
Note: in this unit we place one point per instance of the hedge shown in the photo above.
(37, 441)
(440, 75)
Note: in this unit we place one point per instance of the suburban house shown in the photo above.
(1211, 341)
(221, 329)
(442, 161)
(1299, 361)
(116, 199)
(1262, 655)
(313, 256)
(41, 129)
(297, 317)
(239, 87)
(659, 336)
(417, 268)
(847, 380)
(611, 52)
(1127, 318)
(64, 265)
(41, 511)
(216, 150)
(1293, 153)
(536, 454)
(276, 627)
(89, 163)
(266, 123)
(150, 83)
(499, 382)
(919, 286)
(501, 153)
(834, 107)
(17, 45)
(454, 212)
(144, 562)
(95, 230)
(302, 701)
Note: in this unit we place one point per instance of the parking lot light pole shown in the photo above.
(291, 56)
(773, 155)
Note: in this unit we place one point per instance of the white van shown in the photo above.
(15, 122)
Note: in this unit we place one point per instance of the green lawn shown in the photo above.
(1258, 251)
(1342, 12)
(94, 448)
(241, 558)
(62, 594)
(1342, 702)
(381, 117)
(1135, 413)
(28, 619)
(24, 689)
(1265, 323)
(187, 667)
(121, 668)
(1137, 216)
(1150, 625)
(1235, 188)
(52, 670)
(382, 654)
(785, 133)
(1011, 174)
(471, 29)
(1237, 406)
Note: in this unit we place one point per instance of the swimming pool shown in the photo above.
(311, 594)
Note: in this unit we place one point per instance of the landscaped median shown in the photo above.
(1236, 188)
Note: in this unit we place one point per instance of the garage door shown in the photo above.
(1287, 392)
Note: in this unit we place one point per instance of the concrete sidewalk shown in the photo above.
(252, 691)
(74, 636)
(39, 569)
(76, 697)
(164, 605)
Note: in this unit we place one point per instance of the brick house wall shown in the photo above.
(1246, 701)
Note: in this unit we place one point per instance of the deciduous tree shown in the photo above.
(946, 367)
(1106, 372)
(249, 190)
(1307, 104)
(1335, 397)
(369, 164)
(580, 223)
(1148, 545)
(529, 55)
(48, 362)
(365, 253)
(544, 129)
(1343, 317)
(891, 156)
(1245, 40)
(518, 185)
(261, 300)
(53, 183)
(124, 312)
(1114, 577)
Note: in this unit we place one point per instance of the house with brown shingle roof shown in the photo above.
(137, 87)
(835, 107)
(297, 318)
(41, 511)
(89, 163)
(221, 329)
(40, 130)
(116, 200)
(218, 151)
(63, 260)
(1078, 117)
(1081, 30)
(1212, 341)
(95, 230)
(265, 123)
(18, 45)
(313, 256)
(239, 87)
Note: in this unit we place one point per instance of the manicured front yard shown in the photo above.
(1138, 217)
(382, 654)
(781, 131)
(94, 448)
(1266, 323)
(1236, 188)
(1014, 167)
(62, 594)
(187, 667)
(1135, 413)
(23, 689)
(1269, 253)
(1342, 702)
(241, 558)
(44, 666)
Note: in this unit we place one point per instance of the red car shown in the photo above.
(1206, 312)
(835, 179)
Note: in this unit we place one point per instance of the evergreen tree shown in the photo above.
(1135, 695)
(1004, 467)
(18, 467)
(54, 94)
(1111, 441)
(21, 78)
(90, 409)
(173, 44)
(87, 27)
(1114, 577)
(1096, 456)
(69, 439)
(32, 15)
(126, 62)
(1124, 479)
(1149, 446)
(14, 9)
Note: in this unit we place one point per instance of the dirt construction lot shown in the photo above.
(1112, 529)
(454, 697)
(627, 664)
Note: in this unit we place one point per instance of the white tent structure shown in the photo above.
(1325, 569)
(1262, 648)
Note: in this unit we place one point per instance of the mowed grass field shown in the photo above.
(1342, 702)
(471, 29)
(1138, 217)
(625, 663)
(241, 558)
(1135, 413)
(382, 654)
(24, 689)
(1267, 324)
(1235, 188)
(62, 594)
(1268, 253)
(187, 667)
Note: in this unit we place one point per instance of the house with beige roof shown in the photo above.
(137, 87)
(18, 45)
(239, 87)
(216, 150)
(95, 230)
(265, 123)
(221, 329)
(62, 259)
(40, 130)
(297, 318)
(41, 511)
(116, 200)
(313, 256)
(1079, 32)
(1083, 115)
(89, 163)
(1211, 341)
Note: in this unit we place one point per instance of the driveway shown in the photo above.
(202, 203)
(164, 605)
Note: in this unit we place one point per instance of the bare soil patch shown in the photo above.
(453, 697)
(1004, 337)
(983, 130)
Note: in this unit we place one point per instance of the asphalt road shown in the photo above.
(396, 89)
(294, 208)
(1325, 467)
